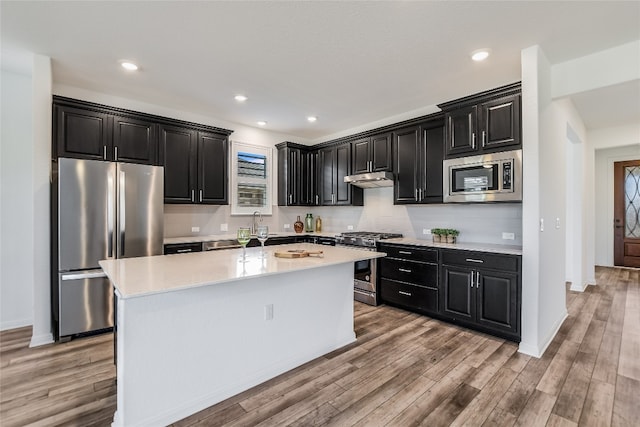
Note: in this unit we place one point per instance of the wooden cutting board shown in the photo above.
(298, 253)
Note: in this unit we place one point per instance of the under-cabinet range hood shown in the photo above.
(371, 179)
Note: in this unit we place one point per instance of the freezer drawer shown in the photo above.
(86, 302)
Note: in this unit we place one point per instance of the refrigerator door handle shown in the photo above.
(111, 198)
(122, 214)
(89, 274)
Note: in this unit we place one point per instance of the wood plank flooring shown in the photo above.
(405, 370)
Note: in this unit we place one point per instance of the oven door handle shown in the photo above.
(358, 291)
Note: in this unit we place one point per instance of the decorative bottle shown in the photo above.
(308, 223)
(318, 225)
(298, 226)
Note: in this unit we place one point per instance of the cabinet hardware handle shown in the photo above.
(333, 198)
(479, 261)
(104, 152)
(193, 196)
(471, 278)
(200, 195)
(484, 135)
(290, 198)
(473, 140)
(405, 252)
(115, 149)
(415, 196)
(420, 194)
(477, 279)
(317, 199)
(404, 293)
(180, 251)
(404, 270)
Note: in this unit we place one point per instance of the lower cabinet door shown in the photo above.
(496, 298)
(408, 295)
(457, 298)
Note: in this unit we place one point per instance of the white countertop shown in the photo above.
(216, 237)
(467, 246)
(136, 277)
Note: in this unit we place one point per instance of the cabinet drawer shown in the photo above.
(411, 253)
(408, 271)
(410, 296)
(180, 248)
(481, 260)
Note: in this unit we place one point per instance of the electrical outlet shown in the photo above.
(268, 312)
(426, 231)
(508, 236)
(541, 224)
(349, 227)
(557, 223)
(224, 227)
(195, 229)
(287, 226)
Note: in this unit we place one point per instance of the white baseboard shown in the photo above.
(13, 324)
(579, 288)
(42, 339)
(538, 350)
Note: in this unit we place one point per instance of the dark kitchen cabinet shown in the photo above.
(482, 291)
(372, 154)
(334, 163)
(297, 175)
(409, 278)
(81, 133)
(483, 123)
(95, 134)
(418, 153)
(135, 140)
(195, 166)
(182, 248)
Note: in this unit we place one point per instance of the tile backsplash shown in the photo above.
(483, 223)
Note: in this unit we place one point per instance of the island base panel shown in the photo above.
(183, 351)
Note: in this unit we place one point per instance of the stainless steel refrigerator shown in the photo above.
(105, 210)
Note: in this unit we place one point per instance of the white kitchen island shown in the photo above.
(195, 329)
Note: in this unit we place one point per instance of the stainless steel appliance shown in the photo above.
(365, 276)
(370, 179)
(101, 210)
(495, 177)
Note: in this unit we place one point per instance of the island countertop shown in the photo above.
(137, 277)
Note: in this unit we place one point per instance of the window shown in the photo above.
(250, 179)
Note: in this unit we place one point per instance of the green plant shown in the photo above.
(452, 232)
(437, 231)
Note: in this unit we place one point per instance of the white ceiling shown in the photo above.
(349, 63)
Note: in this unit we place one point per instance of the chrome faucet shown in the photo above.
(254, 227)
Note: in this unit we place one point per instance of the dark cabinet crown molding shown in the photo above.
(510, 89)
(101, 108)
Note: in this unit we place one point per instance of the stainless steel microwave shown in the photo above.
(495, 177)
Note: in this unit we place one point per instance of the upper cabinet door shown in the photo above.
(380, 153)
(178, 155)
(212, 169)
(326, 165)
(135, 141)
(461, 135)
(433, 154)
(342, 169)
(361, 156)
(500, 122)
(82, 134)
(406, 154)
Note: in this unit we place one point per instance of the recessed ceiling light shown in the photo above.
(129, 66)
(240, 98)
(480, 54)
(261, 123)
(312, 118)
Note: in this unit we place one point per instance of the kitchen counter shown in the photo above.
(216, 237)
(195, 329)
(466, 246)
(139, 277)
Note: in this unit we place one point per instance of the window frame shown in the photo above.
(267, 152)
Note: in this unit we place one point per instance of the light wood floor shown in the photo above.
(405, 370)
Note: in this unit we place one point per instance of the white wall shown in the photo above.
(42, 110)
(16, 205)
(604, 160)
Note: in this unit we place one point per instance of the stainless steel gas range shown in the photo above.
(365, 278)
